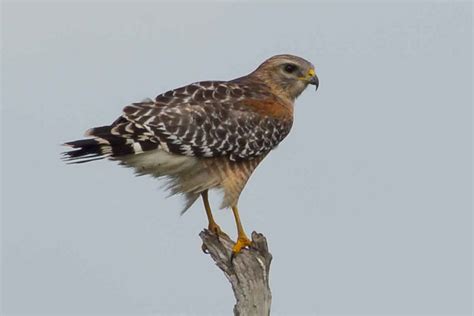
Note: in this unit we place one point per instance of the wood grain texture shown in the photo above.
(248, 272)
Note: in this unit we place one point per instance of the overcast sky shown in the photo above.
(366, 205)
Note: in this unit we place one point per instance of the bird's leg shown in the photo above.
(242, 239)
(212, 223)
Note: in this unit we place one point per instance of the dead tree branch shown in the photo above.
(248, 272)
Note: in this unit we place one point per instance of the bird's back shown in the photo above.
(204, 135)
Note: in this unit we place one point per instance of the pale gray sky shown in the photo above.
(366, 205)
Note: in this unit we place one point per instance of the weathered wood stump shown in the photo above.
(248, 271)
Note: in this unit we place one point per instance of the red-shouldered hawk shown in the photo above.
(206, 135)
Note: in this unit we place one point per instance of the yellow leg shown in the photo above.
(212, 224)
(242, 239)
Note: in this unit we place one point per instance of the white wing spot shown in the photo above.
(137, 148)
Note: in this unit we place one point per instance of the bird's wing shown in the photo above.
(209, 119)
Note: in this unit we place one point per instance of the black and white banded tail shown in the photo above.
(122, 138)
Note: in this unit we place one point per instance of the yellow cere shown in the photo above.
(310, 75)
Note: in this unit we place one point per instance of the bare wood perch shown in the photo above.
(248, 272)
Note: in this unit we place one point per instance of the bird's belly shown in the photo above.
(191, 175)
(185, 174)
(159, 163)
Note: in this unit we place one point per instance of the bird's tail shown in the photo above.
(112, 141)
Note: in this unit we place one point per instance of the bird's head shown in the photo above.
(287, 74)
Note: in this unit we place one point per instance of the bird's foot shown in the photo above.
(213, 227)
(241, 243)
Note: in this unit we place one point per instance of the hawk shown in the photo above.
(206, 135)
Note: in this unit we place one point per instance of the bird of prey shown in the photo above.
(206, 135)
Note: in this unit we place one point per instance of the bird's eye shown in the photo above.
(290, 68)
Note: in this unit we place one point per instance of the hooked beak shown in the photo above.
(311, 78)
(314, 81)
